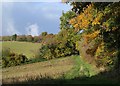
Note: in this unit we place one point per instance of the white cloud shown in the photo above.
(32, 30)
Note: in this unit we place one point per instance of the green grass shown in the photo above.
(26, 48)
(80, 69)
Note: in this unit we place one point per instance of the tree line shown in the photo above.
(25, 38)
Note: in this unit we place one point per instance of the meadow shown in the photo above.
(54, 69)
(28, 49)
(71, 69)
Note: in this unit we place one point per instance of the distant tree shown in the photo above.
(36, 39)
(21, 38)
(48, 39)
(44, 33)
(14, 37)
(40, 38)
(29, 38)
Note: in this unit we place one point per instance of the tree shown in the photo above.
(36, 39)
(44, 33)
(101, 29)
(29, 38)
(64, 20)
(14, 37)
(21, 38)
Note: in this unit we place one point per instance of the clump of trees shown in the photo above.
(63, 43)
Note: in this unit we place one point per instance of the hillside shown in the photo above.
(62, 70)
(54, 68)
(27, 48)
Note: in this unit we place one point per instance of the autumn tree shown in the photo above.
(101, 31)
(64, 20)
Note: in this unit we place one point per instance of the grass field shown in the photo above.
(70, 69)
(26, 48)
(67, 68)
(54, 68)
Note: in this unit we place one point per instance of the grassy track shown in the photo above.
(26, 48)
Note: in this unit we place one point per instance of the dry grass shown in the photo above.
(53, 68)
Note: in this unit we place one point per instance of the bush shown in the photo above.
(57, 49)
(13, 59)
(47, 51)
(5, 52)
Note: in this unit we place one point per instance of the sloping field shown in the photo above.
(27, 48)
(53, 68)
(69, 70)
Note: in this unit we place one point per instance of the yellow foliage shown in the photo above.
(91, 36)
(100, 49)
(72, 21)
(83, 20)
(76, 25)
(97, 18)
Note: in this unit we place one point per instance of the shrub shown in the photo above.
(47, 51)
(56, 48)
(13, 59)
(5, 52)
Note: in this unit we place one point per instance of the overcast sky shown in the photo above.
(31, 17)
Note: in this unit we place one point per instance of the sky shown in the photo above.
(31, 18)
